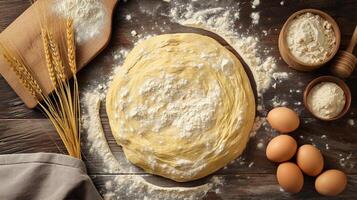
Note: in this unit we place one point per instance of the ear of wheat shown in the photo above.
(21, 71)
(62, 107)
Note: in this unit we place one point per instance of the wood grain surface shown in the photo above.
(25, 131)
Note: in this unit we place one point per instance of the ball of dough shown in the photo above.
(181, 106)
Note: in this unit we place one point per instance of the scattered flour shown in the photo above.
(351, 122)
(119, 56)
(279, 76)
(345, 161)
(255, 17)
(136, 187)
(259, 121)
(260, 145)
(265, 32)
(277, 101)
(133, 33)
(88, 16)
(94, 131)
(128, 17)
(255, 3)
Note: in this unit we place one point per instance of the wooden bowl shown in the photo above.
(287, 55)
(332, 79)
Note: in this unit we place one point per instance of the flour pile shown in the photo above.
(88, 16)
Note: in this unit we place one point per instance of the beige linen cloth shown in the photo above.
(44, 176)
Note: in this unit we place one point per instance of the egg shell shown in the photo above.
(290, 177)
(331, 182)
(283, 119)
(310, 160)
(281, 148)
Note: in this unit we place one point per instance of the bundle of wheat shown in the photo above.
(62, 106)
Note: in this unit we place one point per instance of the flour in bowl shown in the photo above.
(311, 38)
(326, 100)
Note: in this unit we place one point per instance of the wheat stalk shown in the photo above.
(28, 77)
(57, 62)
(63, 107)
(70, 46)
(48, 57)
(22, 72)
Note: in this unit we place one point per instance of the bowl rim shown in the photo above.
(340, 83)
(322, 14)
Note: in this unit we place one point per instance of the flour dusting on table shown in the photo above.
(255, 3)
(255, 17)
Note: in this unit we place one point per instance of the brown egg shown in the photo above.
(281, 148)
(283, 119)
(310, 160)
(331, 182)
(290, 177)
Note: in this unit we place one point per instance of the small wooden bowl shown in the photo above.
(332, 79)
(287, 55)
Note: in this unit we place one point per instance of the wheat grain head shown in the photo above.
(71, 46)
(55, 53)
(48, 57)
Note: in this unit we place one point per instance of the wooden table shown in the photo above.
(26, 131)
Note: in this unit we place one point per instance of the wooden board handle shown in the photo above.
(353, 41)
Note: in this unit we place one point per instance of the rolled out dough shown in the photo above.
(181, 106)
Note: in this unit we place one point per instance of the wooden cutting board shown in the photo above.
(24, 35)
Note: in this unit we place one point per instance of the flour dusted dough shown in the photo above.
(181, 107)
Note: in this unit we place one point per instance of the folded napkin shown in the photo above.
(44, 176)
